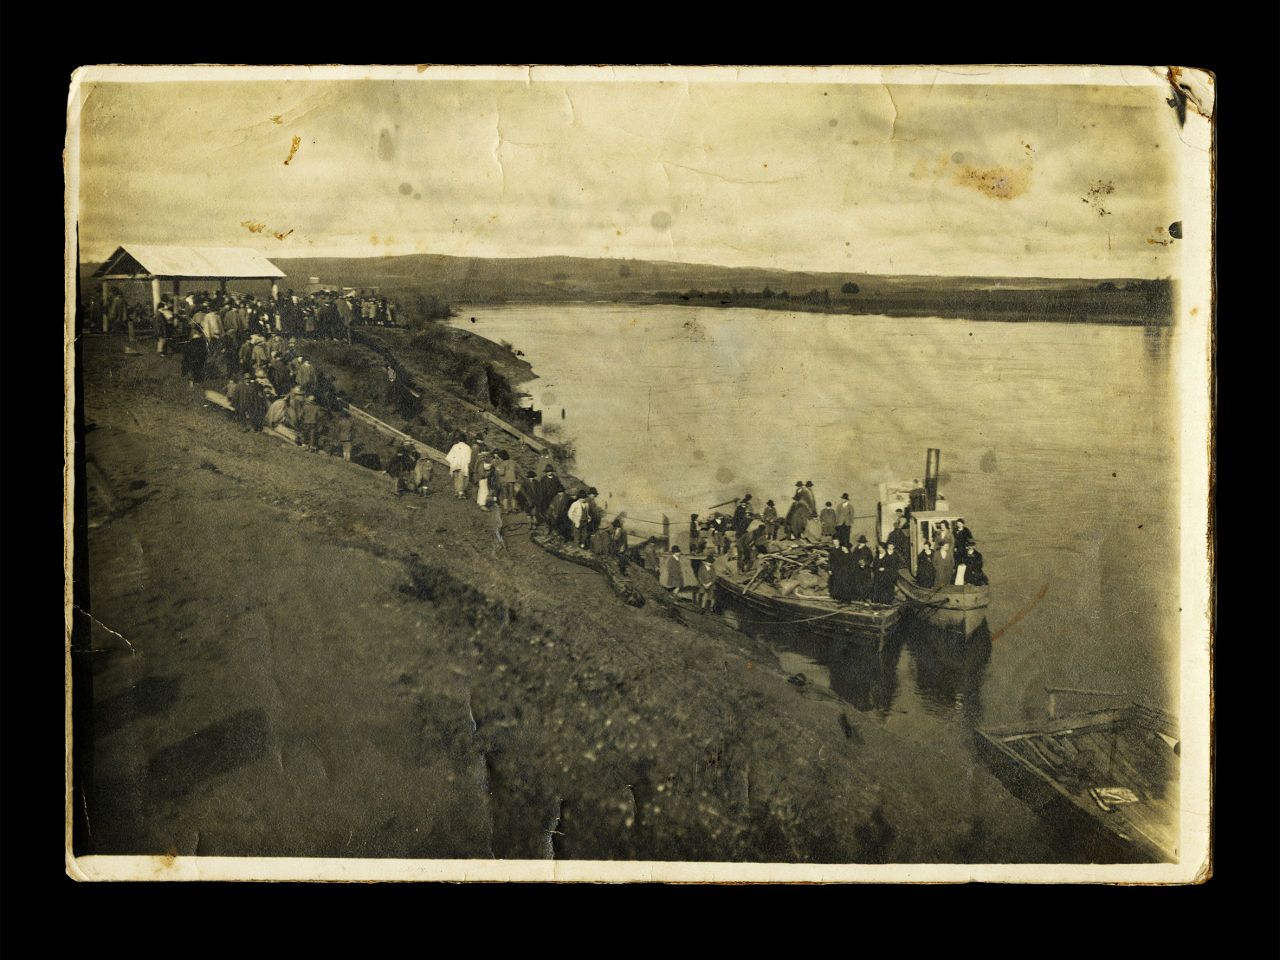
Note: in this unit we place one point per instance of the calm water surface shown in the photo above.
(1057, 446)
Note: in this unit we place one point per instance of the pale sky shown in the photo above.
(911, 178)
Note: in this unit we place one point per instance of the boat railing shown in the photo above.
(1054, 691)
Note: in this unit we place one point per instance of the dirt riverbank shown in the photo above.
(268, 678)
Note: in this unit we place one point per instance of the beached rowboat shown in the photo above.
(1109, 777)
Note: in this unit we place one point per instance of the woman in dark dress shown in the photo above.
(840, 578)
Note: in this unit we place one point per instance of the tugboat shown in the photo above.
(948, 606)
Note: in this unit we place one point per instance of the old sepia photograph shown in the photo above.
(691, 474)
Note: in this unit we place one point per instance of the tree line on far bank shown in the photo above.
(734, 294)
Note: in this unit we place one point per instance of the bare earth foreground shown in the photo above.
(266, 682)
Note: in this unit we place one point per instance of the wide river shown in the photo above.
(1057, 446)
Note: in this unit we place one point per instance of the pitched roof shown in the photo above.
(141, 260)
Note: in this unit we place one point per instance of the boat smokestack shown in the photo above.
(931, 463)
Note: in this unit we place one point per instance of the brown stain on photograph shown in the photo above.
(297, 142)
(1003, 183)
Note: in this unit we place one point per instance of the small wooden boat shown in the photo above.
(625, 589)
(1109, 777)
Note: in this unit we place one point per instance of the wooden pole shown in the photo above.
(155, 294)
(177, 285)
(222, 287)
(106, 318)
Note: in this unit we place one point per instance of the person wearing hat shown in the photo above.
(579, 511)
(695, 539)
(529, 498)
(671, 577)
(558, 515)
(311, 424)
(742, 516)
(770, 518)
(862, 551)
(459, 461)
(595, 512)
(844, 519)
(549, 487)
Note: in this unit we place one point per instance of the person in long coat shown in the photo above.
(944, 563)
(798, 516)
(884, 577)
(807, 492)
(926, 574)
(828, 518)
(528, 498)
(862, 577)
(671, 576)
(974, 575)
(840, 577)
(195, 352)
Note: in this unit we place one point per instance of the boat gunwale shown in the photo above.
(1150, 718)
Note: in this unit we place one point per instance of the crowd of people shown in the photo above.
(855, 571)
(577, 517)
(323, 315)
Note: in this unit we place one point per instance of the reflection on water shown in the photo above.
(937, 671)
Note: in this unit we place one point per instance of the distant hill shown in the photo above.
(479, 279)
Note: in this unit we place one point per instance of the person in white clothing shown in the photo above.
(459, 459)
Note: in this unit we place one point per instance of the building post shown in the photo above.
(155, 294)
(106, 314)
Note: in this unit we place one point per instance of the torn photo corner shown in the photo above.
(609, 474)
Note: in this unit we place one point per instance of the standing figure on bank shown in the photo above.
(530, 499)
(484, 471)
(459, 460)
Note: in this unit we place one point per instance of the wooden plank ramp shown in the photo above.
(389, 431)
